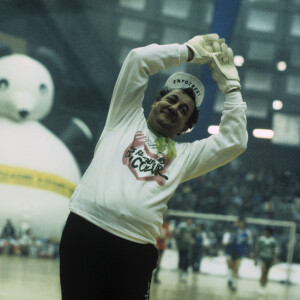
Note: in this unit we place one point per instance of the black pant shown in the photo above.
(96, 265)
(196, 258)
(184, 259)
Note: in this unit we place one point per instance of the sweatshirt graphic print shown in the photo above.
(144, 164)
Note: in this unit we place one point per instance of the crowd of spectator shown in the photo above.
(24, 244)
(236, 190)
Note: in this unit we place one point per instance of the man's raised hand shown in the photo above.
(223, 69)
(202, 47)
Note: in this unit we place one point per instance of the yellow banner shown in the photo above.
(36, 179)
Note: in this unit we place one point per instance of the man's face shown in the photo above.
(241, 224)
(267, 233)
(170, 114)
(189, 221)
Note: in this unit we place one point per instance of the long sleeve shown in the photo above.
(127, 186)
(210, 153)
(134, 76)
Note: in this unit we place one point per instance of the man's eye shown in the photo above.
(171, 100)
(183, 111)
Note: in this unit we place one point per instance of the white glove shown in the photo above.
(223, 69)
(201, 45)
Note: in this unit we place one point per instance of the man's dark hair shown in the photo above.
(189, 91)
(269, 229)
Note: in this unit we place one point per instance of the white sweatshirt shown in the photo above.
(126, 188)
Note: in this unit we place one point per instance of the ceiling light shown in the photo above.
(281, 66)
(213, 129)
(188, 130)
(238, 60)
(277, 104)
(263, 133)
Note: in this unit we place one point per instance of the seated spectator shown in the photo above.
(25, 242)
(47, 249)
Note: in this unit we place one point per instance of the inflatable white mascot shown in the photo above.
(38, 173)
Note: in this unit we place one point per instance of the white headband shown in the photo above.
(182, 80)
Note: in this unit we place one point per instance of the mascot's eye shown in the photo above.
(3, 84)
(43, 88)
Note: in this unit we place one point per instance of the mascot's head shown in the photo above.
(26, 88)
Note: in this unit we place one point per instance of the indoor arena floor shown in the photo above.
(36, 279)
